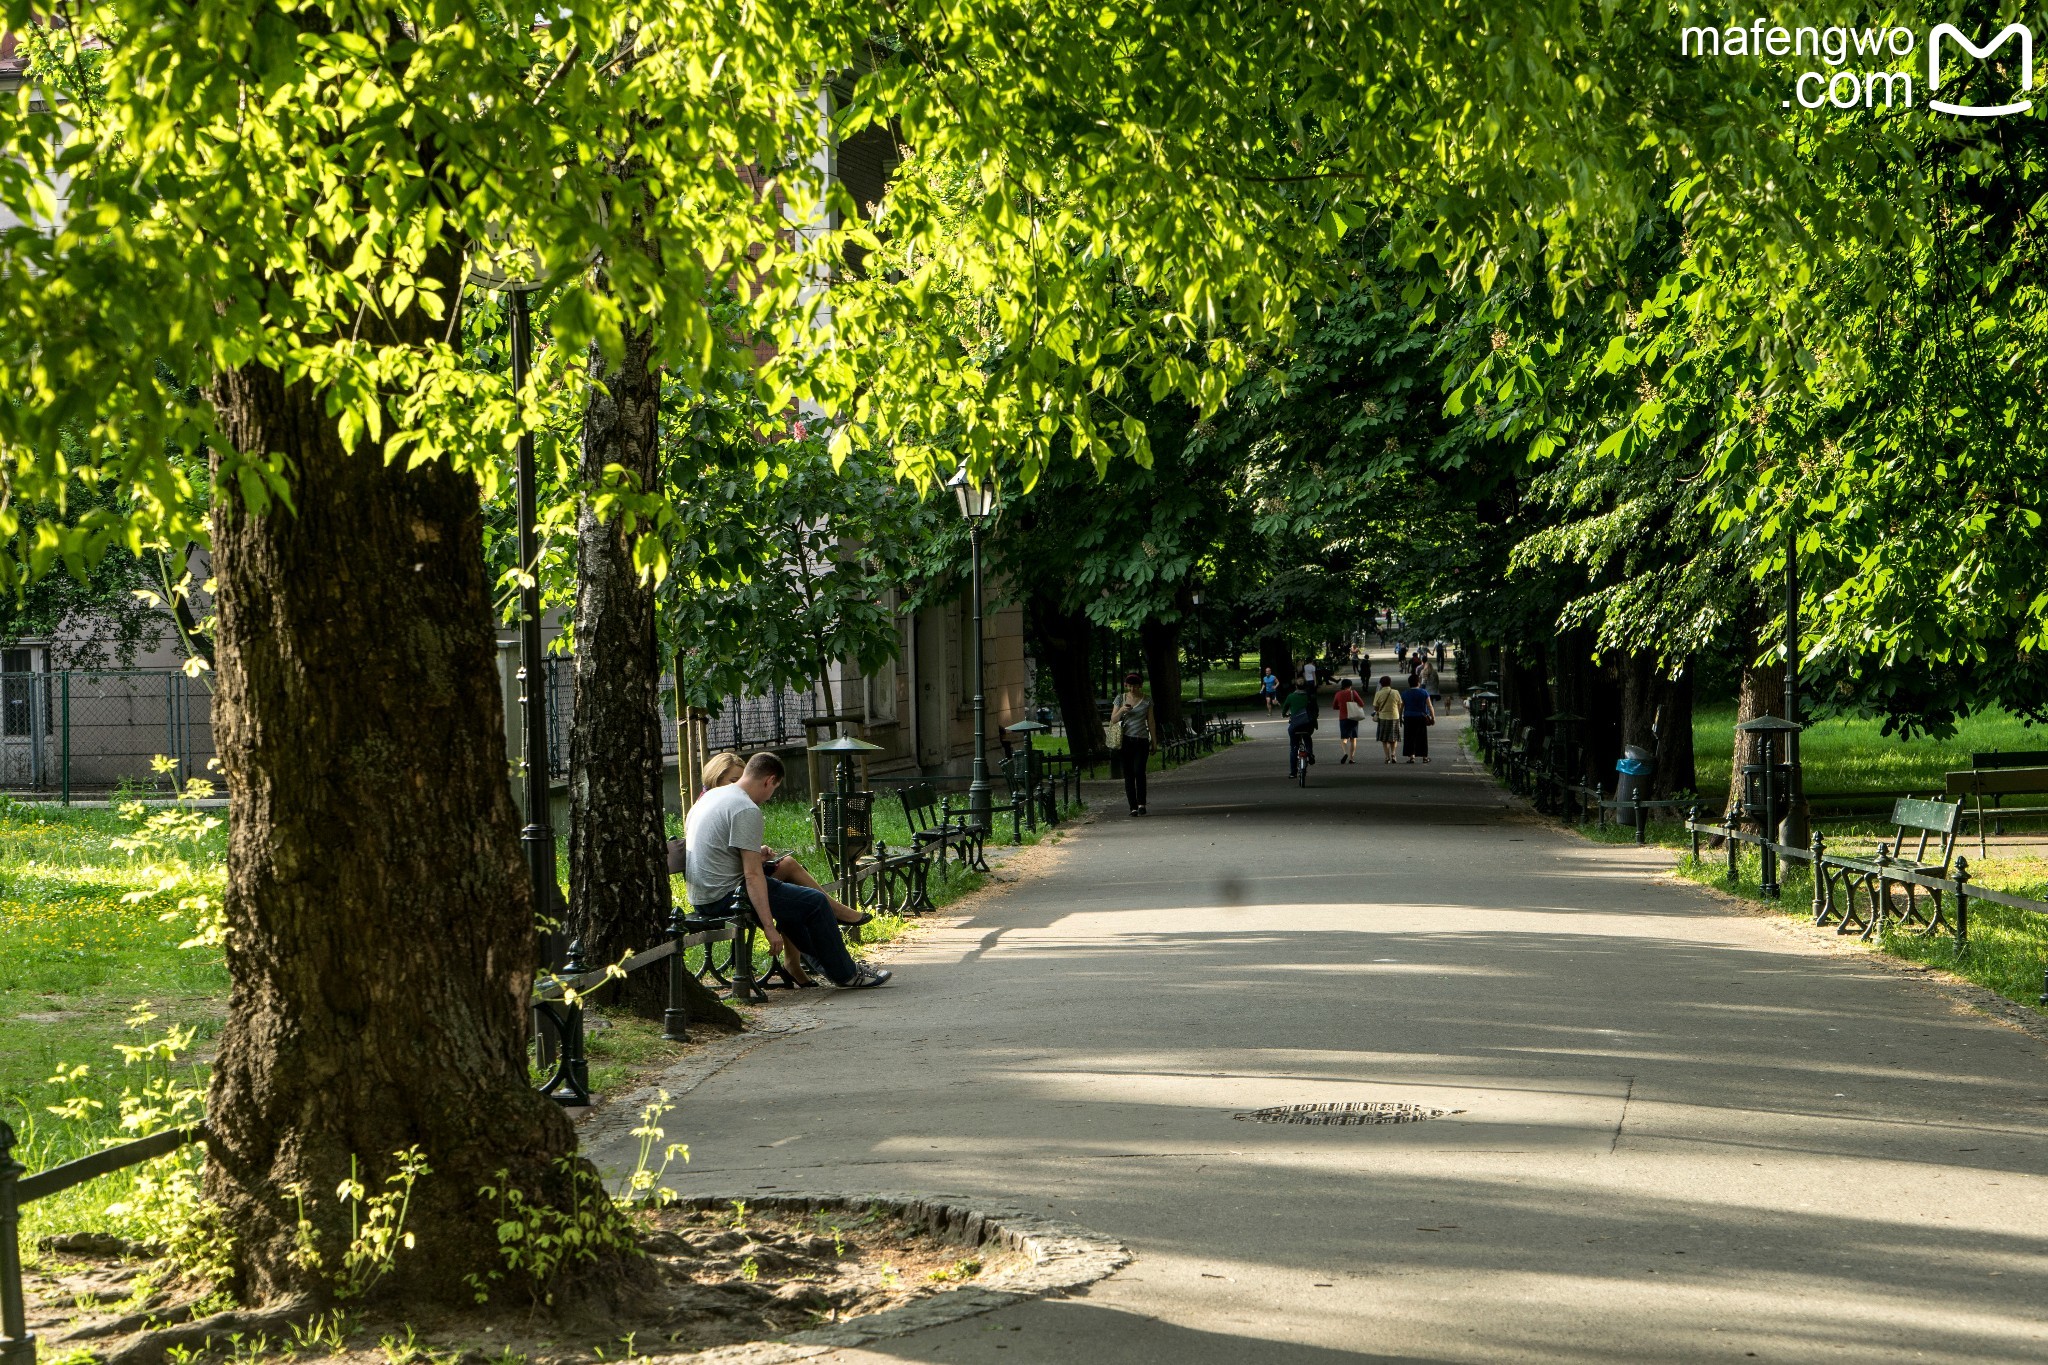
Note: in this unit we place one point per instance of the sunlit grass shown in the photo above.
(1841, 755)
(76, 960)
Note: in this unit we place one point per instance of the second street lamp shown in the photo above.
(978, 507)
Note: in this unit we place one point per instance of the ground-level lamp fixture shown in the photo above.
(978, 506)
(1767, 790)
(841, 811)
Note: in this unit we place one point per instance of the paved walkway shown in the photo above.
(1683, 1132)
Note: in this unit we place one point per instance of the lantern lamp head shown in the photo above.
(977, 498)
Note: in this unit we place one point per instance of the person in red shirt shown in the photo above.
(1351, 708)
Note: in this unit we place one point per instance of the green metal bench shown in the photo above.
(1933, 822)
(935, 825)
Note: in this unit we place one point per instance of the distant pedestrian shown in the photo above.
(1269, 688)
(1386, 711)
(1308, 674)
(1138, 728)
(1401, 654)
(1350, 704)
(1418, 713)
(1425, 675)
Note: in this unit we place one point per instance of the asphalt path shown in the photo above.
(1676, 1130)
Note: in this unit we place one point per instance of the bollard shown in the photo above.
(17, 1346)
(1962, 904)
(574, 1067)
(1881, 901)
(674, 1019)
(1642, 824)
(1734, 874)
(1820, 880)
(1692, 825)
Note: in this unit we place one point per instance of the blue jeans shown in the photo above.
(804, 917)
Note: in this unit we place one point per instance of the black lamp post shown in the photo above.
(517, 274)
(978, 506)
(1763, 795)
(1201, 668)
(1796, 832)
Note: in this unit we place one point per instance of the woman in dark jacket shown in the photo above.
(1418, 713)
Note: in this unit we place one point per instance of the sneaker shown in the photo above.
(868, 977)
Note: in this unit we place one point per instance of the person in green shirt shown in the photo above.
(1301, 720)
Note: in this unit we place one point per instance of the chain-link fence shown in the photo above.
(89, 733)
(738, 723)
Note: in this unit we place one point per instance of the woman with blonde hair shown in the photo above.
(725, 768)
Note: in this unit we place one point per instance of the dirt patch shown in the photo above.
(715, 1275)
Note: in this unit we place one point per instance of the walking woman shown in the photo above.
(1386, 710)
(1418, 713)
(1139, 728)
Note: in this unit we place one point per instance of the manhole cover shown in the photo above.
(1352, 1111)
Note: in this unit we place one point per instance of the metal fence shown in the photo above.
(739, 723)
(95, 731)
(88, 733)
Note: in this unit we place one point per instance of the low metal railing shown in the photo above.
(18, 1187)
(1839, 882)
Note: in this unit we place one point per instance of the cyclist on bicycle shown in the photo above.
(1301, 723)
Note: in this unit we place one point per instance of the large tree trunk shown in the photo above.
(619, 891)
(1160, 642)
(380, 940)
(1763, 694)
(1061, 639)
(1275, 653)
(1641, 691)
(1676, 771)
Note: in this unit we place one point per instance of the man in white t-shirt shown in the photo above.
(1308, 674)
(725, 831)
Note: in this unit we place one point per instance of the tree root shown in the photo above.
(132, 1322)
(149, 1347)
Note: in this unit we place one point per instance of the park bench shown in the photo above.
(1999, 774)
(844, 825)
(1932, 822)
(1030, 791)
(934, 824)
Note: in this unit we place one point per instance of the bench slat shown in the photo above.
(1940, 817)
(1999, 782)
(2010, 758)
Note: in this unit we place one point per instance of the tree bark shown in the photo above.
(1160, 642)
(620, 896)
(1676, 771)
(1061, 639)
(380, 941)
(1275, 653)
(1763, 692)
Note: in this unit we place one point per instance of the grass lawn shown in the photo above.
(1843, 755)
(85, 949)
(86, 953)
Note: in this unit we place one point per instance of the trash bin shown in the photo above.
(1635, 764)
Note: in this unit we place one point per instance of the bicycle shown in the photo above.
(1302, 757)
